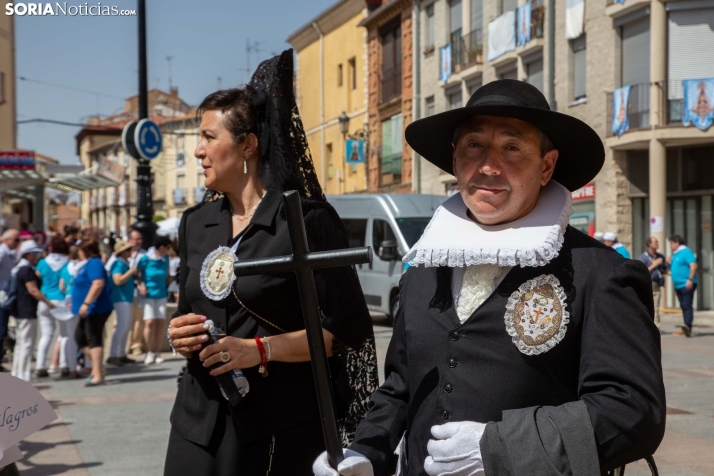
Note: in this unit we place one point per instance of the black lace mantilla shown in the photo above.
(286, 160)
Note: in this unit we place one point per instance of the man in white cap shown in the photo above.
(28, 295)
(521, 346)
(610, 239)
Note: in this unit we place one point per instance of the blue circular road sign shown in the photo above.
(147, 139)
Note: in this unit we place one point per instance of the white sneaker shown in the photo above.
(150, 359)
(157, 358)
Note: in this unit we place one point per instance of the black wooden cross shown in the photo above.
(302, 263)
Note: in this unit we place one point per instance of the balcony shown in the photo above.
(472, 48)
(672, 95)
(179, 196)
(391, 82)
(638, 108)
(537, 18)
(456, 51)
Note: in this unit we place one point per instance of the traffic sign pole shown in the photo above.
(144, 202)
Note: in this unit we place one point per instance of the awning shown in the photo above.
(106, 173)
(17, 170)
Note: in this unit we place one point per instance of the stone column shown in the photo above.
(657, 150)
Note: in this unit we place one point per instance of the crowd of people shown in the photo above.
(681, 266)
(69, 288)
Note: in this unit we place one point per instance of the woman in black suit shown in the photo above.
(253, 148)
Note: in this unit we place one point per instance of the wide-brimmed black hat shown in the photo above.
(580, 150)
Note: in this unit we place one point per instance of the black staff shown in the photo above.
(302, 263)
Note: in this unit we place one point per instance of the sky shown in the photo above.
(206, 40)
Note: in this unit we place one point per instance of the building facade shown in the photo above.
(184, 178)
(390, 61)
(623, 68)
(8, 127)
(330, 84)
(111, 205)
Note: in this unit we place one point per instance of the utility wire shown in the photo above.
(70, 88)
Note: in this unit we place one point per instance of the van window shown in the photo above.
(356, 232)
(412, 228)
(381, 231)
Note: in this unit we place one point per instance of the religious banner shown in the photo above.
(445, 65)
(574, 18)
(620, 100)
(524, 24)
(354, 151)
(698, 102)
(502, 35)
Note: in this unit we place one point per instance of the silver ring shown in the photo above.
(225, 357)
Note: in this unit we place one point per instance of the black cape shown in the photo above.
(593, 402)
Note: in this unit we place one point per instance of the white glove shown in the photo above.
(456, 451)
(354, 464)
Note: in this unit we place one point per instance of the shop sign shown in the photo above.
(585, 193)
(17, 160)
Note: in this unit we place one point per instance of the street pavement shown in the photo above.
(122, 428)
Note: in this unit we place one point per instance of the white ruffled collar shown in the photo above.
(452, 239)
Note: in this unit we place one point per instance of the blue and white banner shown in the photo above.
(698, 102)
(524, 24)
(354, 151)
(620, 100)
(445, 55)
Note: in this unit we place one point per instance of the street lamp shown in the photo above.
(344, 123)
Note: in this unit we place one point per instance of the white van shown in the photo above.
(390, 224)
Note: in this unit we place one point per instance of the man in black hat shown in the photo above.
(521, 345)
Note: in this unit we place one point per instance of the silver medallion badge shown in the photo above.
(217, 275)
(536, 317)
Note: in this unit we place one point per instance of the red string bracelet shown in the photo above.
(263, 369)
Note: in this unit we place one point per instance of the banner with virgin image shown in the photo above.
(620, 100)
(698, 102)
(524, 24)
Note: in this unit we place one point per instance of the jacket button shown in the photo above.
(448, 388)
(454, 335)
(445, 415)
(453, 363)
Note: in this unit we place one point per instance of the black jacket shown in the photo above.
(607, 367)
(287, 396)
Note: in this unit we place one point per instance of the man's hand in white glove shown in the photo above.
(354, 464)
(456, 451)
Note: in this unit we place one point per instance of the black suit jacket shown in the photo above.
(287, 396)
(439, 370)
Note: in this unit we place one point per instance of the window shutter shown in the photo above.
(636, 52)
(691, 47)
(535, 73)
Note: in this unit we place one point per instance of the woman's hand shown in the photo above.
(83, 309)
(243, 352)
(142, 290)
(187, 333)
(51, 305)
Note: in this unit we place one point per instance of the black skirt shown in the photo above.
(289, 452)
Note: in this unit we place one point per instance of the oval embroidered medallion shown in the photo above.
(536, 316)
(217, 274)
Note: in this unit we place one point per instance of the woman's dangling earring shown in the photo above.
(245, 165)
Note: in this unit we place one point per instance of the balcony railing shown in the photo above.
(472, 48)
(638, 108)
(391, 82)
(537, 18)
(456, 51)
(672, 96)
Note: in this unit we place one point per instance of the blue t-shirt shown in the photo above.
(153, 274)
(94, 269)
(622, 251)
(50, 281)
(680, 267)
(125, 292)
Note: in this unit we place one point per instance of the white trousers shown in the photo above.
(47, 329)
(25, 332)
(68, 344)
(123, 318)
